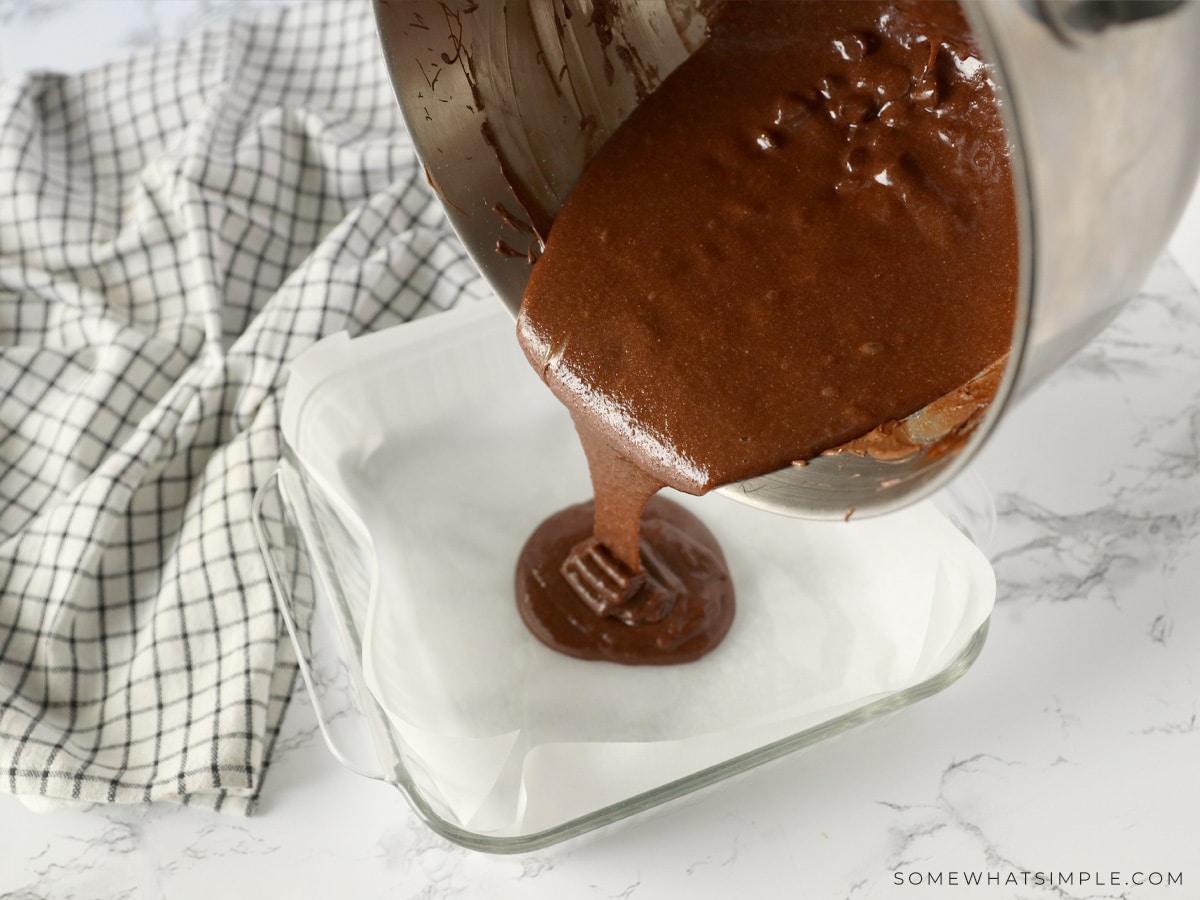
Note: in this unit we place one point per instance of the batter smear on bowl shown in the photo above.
(808, 230)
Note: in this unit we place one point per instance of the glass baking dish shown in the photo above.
(326, 575)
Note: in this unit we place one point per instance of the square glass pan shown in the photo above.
(302, 528)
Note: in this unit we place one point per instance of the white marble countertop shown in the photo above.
(1070, 747)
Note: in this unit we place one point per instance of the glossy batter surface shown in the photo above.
(677, 609)
(808, 230)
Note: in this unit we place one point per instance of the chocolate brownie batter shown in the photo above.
(807, 230)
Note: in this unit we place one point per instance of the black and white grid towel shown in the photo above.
(174, 229)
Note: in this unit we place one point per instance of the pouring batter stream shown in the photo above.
(806, 231)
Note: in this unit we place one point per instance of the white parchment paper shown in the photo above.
(448, 451)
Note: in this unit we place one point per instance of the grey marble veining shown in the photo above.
(1071, 745)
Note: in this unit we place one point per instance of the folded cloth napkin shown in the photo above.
(173, 229)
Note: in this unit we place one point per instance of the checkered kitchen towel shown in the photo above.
(174, 229)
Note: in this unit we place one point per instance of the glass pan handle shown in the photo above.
(272, 489)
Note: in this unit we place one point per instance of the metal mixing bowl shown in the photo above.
(507, 102)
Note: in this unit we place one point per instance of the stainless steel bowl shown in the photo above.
(507, 102)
